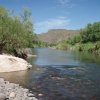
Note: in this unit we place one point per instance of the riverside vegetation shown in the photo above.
(87, 40)
(16, 32)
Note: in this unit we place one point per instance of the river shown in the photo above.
(61, 75)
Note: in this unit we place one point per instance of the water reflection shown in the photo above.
(54, 57)
(88, 57)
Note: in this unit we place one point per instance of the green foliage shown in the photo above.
(91, 33)
(90, 47)
(15, 32)
(73, 40)
(62, 45)
(41, 44)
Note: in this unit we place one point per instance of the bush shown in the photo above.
(62, 46)
(14, 31)
(91, 33)
(74, 40)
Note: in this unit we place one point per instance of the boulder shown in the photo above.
(10, 63)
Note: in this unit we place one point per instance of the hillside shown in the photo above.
(56, 35)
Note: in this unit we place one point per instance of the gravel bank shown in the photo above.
(11, 91)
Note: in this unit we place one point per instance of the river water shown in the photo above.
(60, 75)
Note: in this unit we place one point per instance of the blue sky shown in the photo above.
(57, 14)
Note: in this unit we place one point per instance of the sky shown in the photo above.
(57, 14)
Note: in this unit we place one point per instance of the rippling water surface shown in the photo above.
(61, 75)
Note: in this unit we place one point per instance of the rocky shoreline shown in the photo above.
(11, 91)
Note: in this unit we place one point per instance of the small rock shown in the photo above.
(12, 95)
(6, 82)
(33, 98)
(40, 94)
(2, 96)
(30, 95)
(26, 90)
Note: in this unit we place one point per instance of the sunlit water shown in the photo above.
(61, 75)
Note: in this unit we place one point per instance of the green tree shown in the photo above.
(90, 33)
(15, 32)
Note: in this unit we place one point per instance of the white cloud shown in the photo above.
(68, 3)
(64, 2)
(53, 23)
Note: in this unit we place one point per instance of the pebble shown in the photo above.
(40, 94)
(12, 95)
(30, 95)
(26, 90)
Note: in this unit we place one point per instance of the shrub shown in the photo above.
(15, 32)
(91, 33)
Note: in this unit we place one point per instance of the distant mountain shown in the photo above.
(57, 35)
